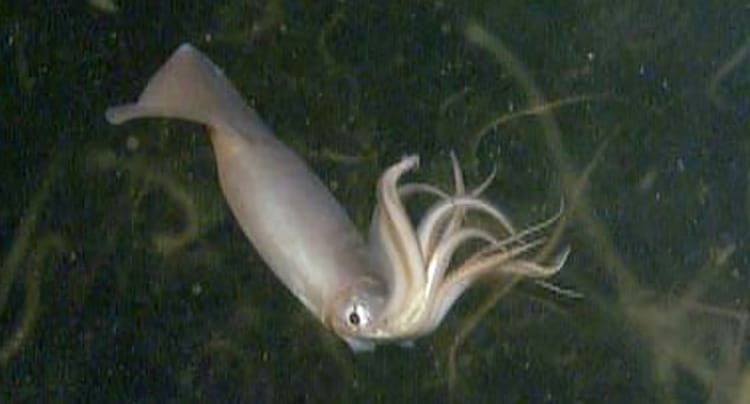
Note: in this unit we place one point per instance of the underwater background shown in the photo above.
(124, 277)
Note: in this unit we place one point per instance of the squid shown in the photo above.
(397, 284)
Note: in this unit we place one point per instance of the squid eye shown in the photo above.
(358, 315)
(354, 318)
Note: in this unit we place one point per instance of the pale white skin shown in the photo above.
(395, 287)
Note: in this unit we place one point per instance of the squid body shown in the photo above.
(395, 286)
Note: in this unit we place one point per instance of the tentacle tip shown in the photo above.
(411, 159)
(454, 158)
(562, 257)
(569, 293)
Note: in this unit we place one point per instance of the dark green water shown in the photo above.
(131, 281)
